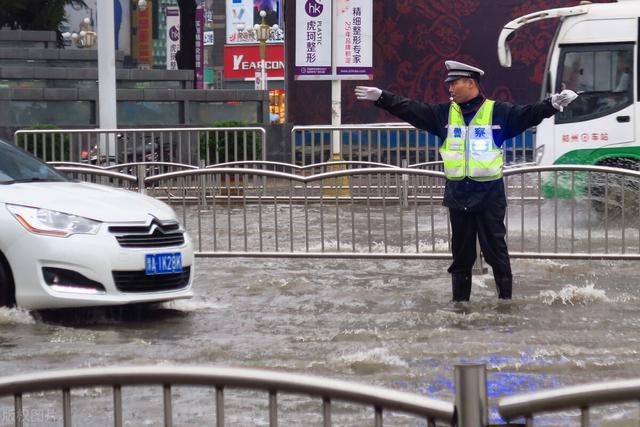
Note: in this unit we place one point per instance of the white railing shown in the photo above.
(200, 146)
(389, 143)
(470, 407)
(582, 397)
(221, 379)
(368, 211)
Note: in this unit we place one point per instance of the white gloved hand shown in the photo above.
(562, 99)
(368, 93)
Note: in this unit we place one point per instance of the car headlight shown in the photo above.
(52, 223)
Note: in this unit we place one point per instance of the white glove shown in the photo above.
(562, 99)
(368, 93)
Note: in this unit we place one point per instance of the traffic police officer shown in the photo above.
(473, 129)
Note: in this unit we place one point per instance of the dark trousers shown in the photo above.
(488, 225)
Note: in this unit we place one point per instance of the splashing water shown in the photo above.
(373, 360)
(574, 295)
(13, 316)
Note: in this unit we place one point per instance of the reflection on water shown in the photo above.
(385, 323)
(135, 313)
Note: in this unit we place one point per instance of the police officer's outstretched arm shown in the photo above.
(522, 117)
(367, 93)
(562, 99)
(418, 114)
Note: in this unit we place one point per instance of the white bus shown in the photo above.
(594, 53)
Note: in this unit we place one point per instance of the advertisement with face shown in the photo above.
(243, 15)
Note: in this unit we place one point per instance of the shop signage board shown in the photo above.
(334, 40)
(199, 60)
(242, 61)
(172, 17)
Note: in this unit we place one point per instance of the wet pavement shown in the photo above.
(387, 323)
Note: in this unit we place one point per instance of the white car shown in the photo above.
(72, 244)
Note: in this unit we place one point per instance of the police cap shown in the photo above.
(457, 70)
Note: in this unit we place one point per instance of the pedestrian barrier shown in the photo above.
(107, 147)
(97, 175)
(390, 143)
(469, 409)
(368, 211)
(582, 397)
(573, 211)
(283, 214)
(327, 392)
(355, 207)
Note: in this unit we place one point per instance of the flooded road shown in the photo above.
(386, 323)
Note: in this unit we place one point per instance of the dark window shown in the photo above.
(603, 77)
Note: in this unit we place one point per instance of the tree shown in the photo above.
(42, 15)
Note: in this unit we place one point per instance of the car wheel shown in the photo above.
(7, 287)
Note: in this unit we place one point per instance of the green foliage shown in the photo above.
(46, 146)
(41, 15)
(230, 146)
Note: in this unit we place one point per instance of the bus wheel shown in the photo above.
(612, 194)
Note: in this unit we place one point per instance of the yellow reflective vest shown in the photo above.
(469, 151)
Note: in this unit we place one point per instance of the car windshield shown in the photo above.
(17, 165)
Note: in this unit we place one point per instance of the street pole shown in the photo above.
(106, 75)
(340, 185)
(263, 31)
(336, 92)
(336, 118)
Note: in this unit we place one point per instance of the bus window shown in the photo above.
(601, 75)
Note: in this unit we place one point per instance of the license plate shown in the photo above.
(163, 263)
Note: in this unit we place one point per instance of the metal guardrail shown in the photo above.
(106, 147)
(305, 170)
(592, 212)
(354, 212)
(222, 379)
(563, 211)
(581, 397)
(470, 407)
(390, 143)
(97, 175)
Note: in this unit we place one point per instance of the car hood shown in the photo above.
(98, 202)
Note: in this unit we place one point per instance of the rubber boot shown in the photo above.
(504, 283)
(461, 286)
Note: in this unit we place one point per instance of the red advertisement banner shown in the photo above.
(242, 61)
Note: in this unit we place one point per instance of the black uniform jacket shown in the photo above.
(509, 120)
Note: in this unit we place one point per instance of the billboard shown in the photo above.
(75, 13)
(313, 38)
(354, 44)
(241, 62)
(242, 15)
(343, 28)
(172, 16)
(199, 60)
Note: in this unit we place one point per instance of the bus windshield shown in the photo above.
(602, 75)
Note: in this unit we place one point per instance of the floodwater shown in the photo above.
(386, 323)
